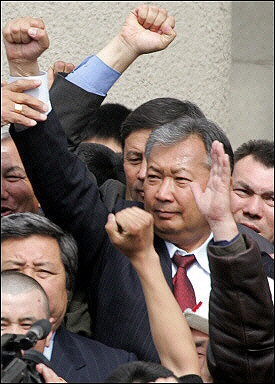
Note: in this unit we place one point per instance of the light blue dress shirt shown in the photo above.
(94, 76)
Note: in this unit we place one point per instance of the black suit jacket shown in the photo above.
(78, 359)
(69, 198)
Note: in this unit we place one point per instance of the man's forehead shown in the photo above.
(36, 250)
(26, 305)
(10, 155)
(253, 174)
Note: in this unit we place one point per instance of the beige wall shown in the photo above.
(251, 99)
(196, 66)
(232, 88)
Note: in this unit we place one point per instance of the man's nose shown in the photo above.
(254, 206)
(142, 171)
(165, 191)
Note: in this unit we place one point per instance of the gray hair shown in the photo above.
(23, 225)
(180, 129)
(15, 283)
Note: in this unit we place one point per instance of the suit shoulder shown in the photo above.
(101, 349)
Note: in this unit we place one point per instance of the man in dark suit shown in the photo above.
(70, 198)
(34, 246)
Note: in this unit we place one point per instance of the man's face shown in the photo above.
(16, 191)
(135, 164)
(168, 196)
(201, 341)
(20, 312)
(252, 198)
(39, 257)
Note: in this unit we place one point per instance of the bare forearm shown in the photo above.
(170, 331)
(117, 55)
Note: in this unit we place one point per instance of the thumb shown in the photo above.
(40, 35)
(111, 226)
(168, 32)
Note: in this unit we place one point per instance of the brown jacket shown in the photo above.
(240, 315)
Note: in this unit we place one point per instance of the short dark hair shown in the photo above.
(157, 112)
(180, 129)
(138, 370)
(261, 150)
(14, 283)
(23, 225)
(102, 161)
(106, 122)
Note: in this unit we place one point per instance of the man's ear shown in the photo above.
(48, 338)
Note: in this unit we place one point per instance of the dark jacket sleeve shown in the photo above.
(240, 315)
(61, 184)
(74, 107)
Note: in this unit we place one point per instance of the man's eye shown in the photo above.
(43, 273)
(26, 325)
(182, 180)
(241, 192)
(135, 160)
(269, 201)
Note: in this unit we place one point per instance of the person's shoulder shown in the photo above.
(97, 347)
(263, 244)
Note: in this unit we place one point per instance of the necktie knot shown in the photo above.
(183, 261)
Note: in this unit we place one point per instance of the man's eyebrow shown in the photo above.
(248, 188)
(43, 263)
(30, 318)
(133, 153)
(243, 185)
(15, 262)
(177, 170)
(154, 169)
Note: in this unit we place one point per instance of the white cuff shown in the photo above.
(41, 93)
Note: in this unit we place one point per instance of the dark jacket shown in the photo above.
(73, 201)
(241, 335)
(80, 360)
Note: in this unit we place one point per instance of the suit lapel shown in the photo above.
(66, 357)
(165, 260)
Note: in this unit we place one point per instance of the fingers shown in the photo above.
(61, 66)
(48, 374)
(22, 85)
(220, 169)
(112, 229)
(58, 66)
(39, 35)
(160, 19)
(16, 31)
(167, 29)
(132, 220)
(31, 107)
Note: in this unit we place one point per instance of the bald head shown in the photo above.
(15, 283)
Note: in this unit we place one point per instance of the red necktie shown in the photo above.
(183, 289)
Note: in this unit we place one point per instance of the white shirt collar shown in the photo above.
(200, 253)
(49, 350)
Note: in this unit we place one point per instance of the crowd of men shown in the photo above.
(139, 234)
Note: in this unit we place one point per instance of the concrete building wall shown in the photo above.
(221, 59)
(196, 66)
(251, 83)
